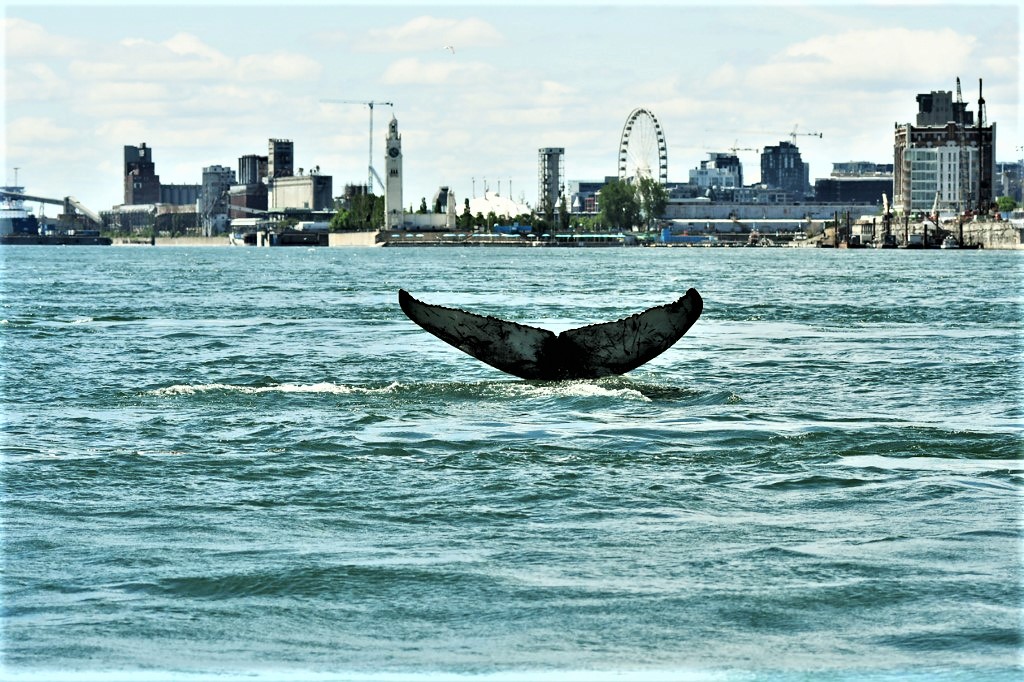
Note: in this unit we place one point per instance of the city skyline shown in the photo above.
(478, 89)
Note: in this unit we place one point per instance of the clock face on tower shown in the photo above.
(393, 152)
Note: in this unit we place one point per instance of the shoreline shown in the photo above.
(994, 236)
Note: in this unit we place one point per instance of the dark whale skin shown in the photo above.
(589, 352)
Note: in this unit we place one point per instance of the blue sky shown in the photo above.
(204, 84)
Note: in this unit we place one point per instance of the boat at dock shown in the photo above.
(61, 239)
(14, 218)
(18, 226)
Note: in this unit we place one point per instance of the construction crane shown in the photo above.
(984, 188)
(736, 148)
(371, 173)
(795, 133)
(964, 191)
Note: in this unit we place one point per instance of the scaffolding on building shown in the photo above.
(550, 178)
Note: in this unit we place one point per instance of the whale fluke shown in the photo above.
(589, 352)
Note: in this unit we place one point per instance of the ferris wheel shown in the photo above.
(642, 149)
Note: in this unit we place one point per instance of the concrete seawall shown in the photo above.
(995, 235)
(172, 241)
(193, 241)
(352, 239)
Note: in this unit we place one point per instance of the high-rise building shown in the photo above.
(945, 160)
(782, 168)
(141, 183)
(719, 171)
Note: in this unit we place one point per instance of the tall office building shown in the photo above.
(782, 168)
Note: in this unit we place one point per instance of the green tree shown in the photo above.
(1006, 204)
(563, 215)
(619, 205)
(423, 205)
(547, 210)
(377, 215)
(466, 219)
(586, 223)
(365, 212)
(652, 198)
(339, 221)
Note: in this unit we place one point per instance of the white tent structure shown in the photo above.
(500, 205)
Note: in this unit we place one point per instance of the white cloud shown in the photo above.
(184, 57)
(1000, 66)
(25, 39)
(864, 56)
(529, 116)
(186, 44)
(553, 93)
(413, 71)
(725, 76)
(122, 131)
(34, 81)
(278, 66)
(26, 131)
(432, 33)
(89, 70)
(141, 98)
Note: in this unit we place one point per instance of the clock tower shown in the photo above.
(393, 214)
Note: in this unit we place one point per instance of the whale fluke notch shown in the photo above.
(588, 352)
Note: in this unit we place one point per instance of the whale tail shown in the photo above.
(588, 352)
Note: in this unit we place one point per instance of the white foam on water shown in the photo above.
(322, 387)
(932, 463)
(577, 389)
